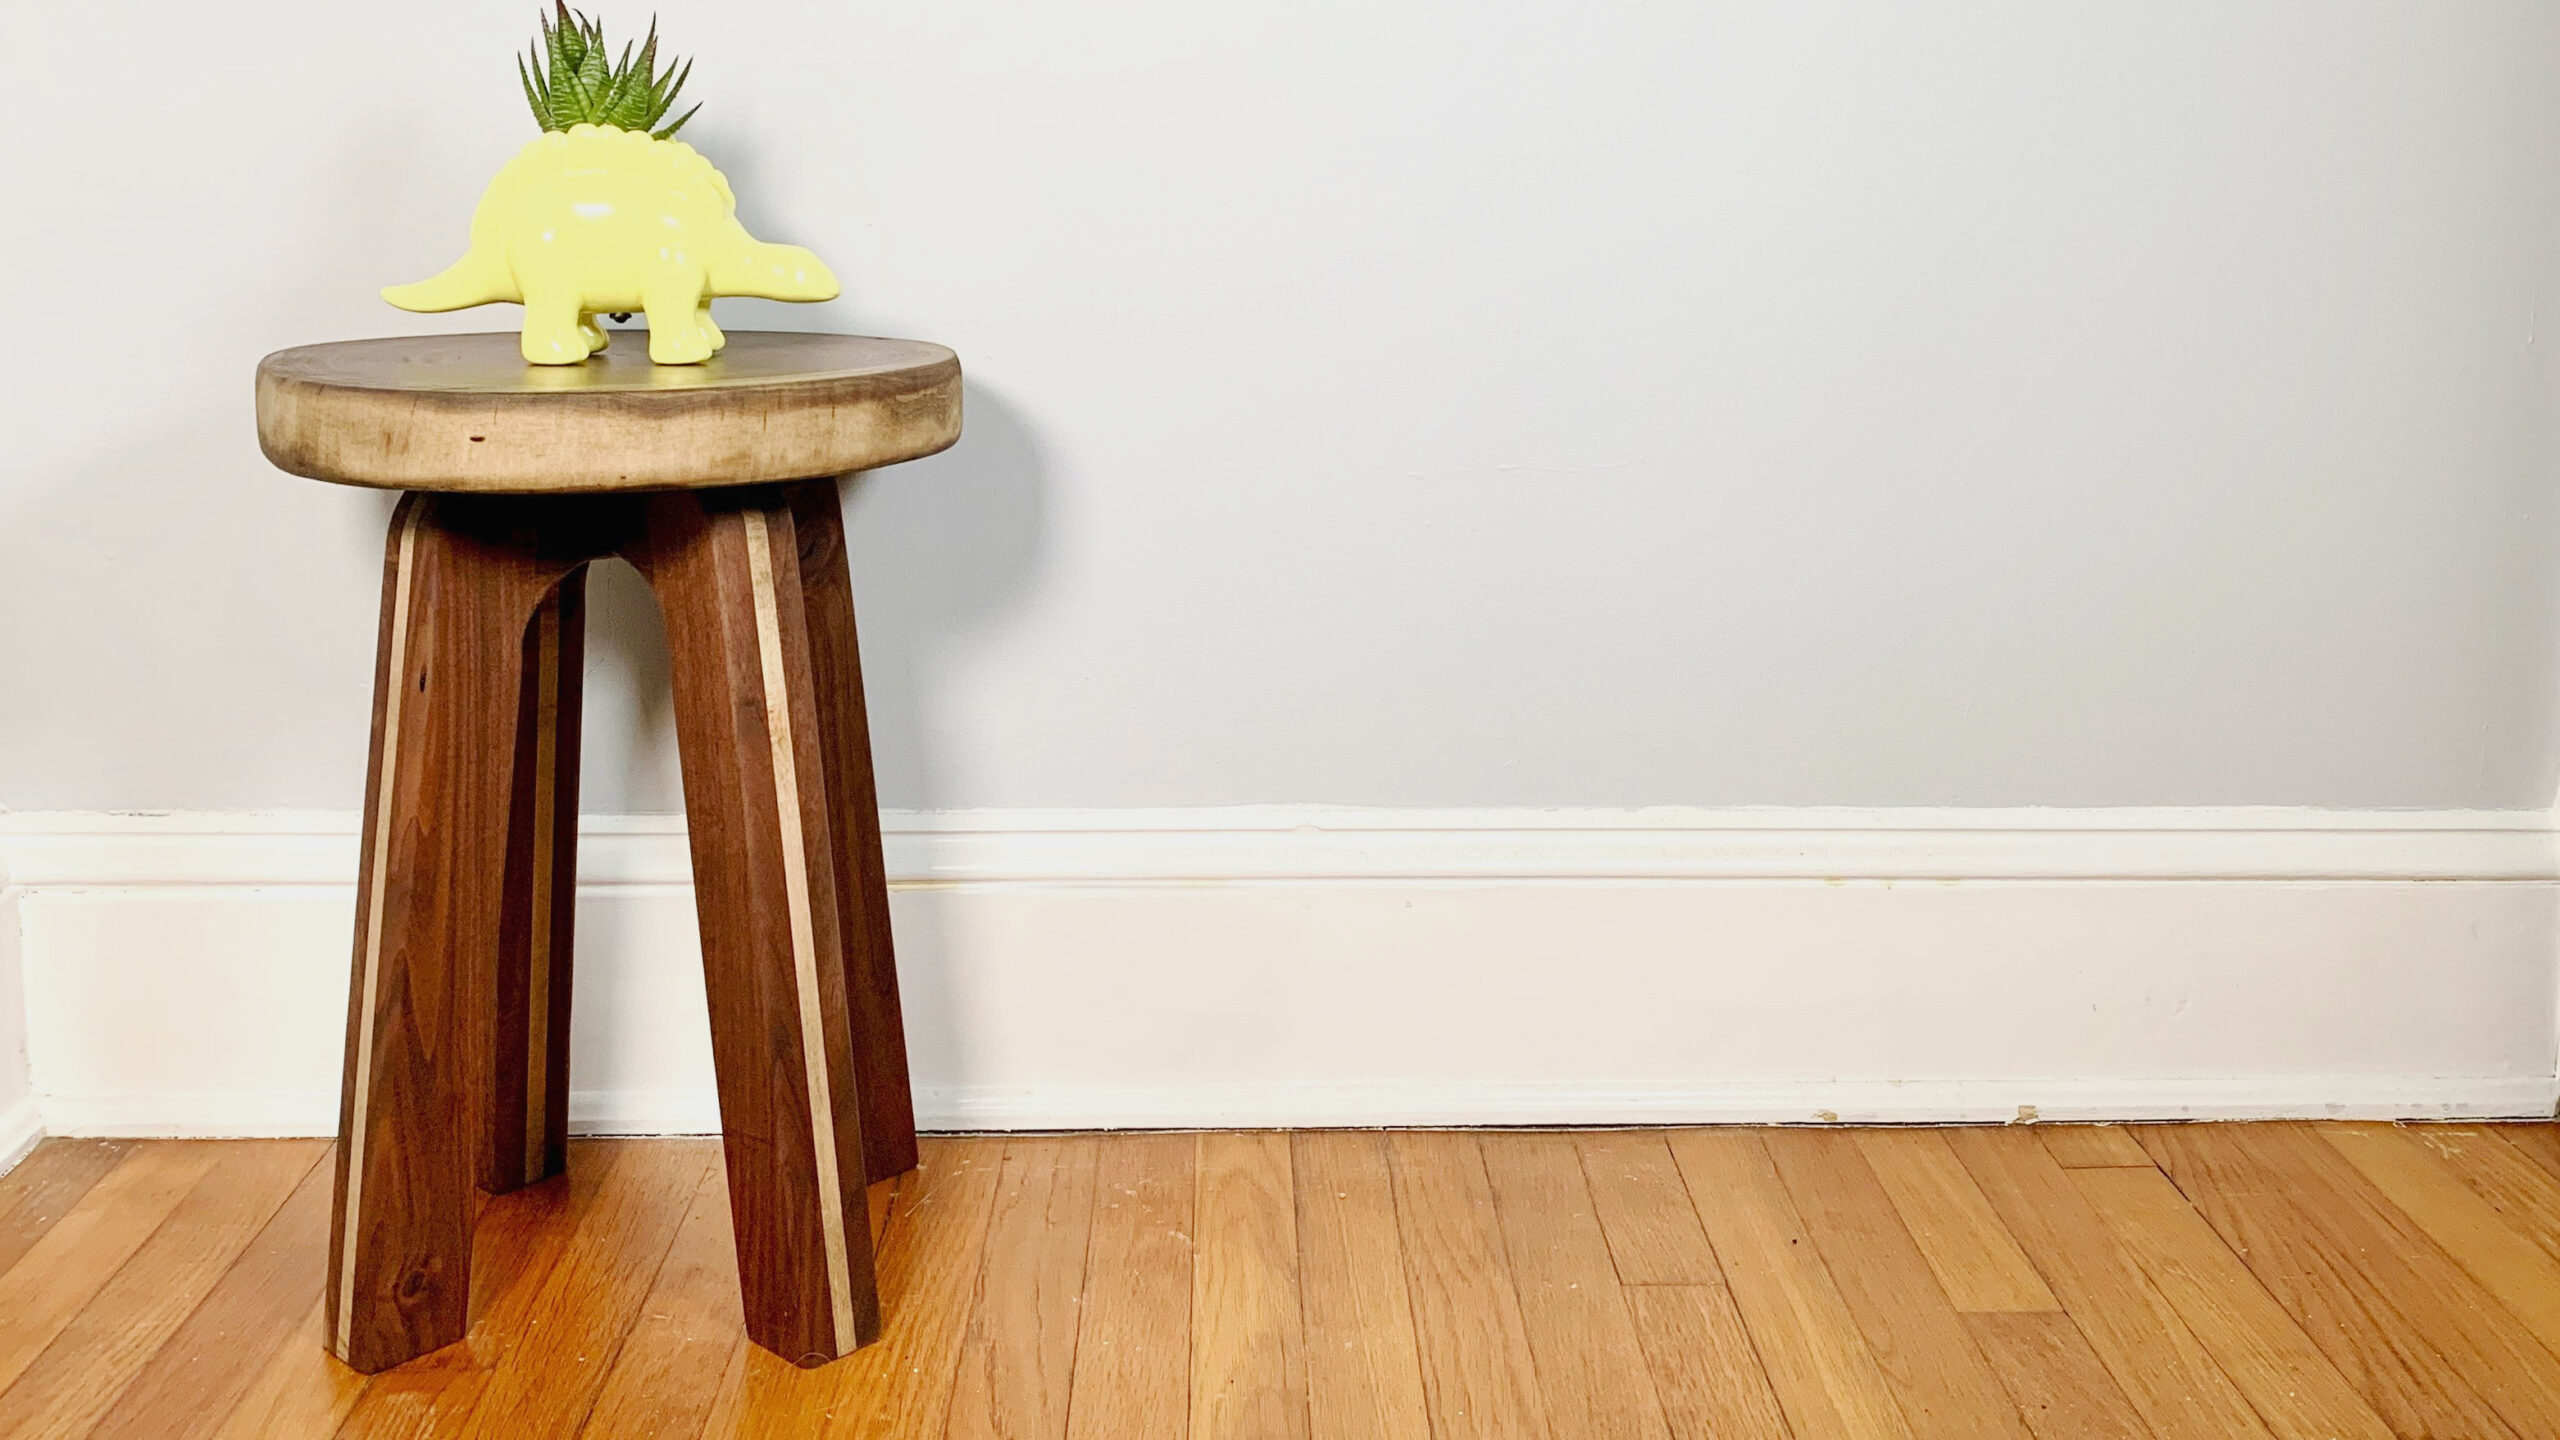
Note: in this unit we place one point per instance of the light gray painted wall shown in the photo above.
(1408, 403)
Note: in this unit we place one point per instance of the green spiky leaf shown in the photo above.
(574, 79)
(670, 130)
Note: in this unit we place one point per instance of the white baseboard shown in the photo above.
(20, 1128)
(1810, 1102)
(186, 974)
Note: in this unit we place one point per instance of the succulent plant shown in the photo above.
(573, 82)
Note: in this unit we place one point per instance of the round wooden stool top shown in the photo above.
(465, 412)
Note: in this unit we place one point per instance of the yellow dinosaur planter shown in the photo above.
(595, 220)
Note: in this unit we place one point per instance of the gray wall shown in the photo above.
(1408, 403)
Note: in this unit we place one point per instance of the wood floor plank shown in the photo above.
(2352, 1298)
(65, 1389)
(1364, 1365)
(2292, 1385)
(1248, 1356)
(881, 1200)
(196, 1379)
(44, 1187)
(2062, 1389)
(900, 1385)
(2539, 1143)
(1018, 1354)
(2159, 1364)
(79, 1254)
(1976, 1259)
(2092, 1147)
(518, 1239)
(1706, 1371)
(302, 1392)
(1591, 1368)
(2476, 1336)
(2523, 1194)
(1133, 1351)
(1940, 1380)
(1818, 1362)
(1653, 1233)
(1477, 1376)
(2302, 1282)
(669, 1370)
(2502, 1257)
(542, 1386)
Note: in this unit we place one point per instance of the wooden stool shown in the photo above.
(458, 1020)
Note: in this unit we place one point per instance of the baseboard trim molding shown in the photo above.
(21, 1127)
(961, 1110)
(79, 851)
(185, 974)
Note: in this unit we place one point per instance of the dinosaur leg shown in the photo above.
(597, 337)
(674, 303)
(718, 340)
(551, 329)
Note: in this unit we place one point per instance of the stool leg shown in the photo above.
(429, 905)
(870, 965)
(726, 569)
(526, 1140)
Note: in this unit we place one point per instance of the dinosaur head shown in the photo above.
(776, 272)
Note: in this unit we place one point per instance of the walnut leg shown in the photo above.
(726, 568)
(870, 964)
(527, 1107)
(431, 898)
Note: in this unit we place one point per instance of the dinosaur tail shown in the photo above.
(774, 272)
(476, 279)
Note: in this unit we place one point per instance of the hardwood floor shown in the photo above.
(2194, 1282)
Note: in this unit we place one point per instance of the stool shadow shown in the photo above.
(942, 549)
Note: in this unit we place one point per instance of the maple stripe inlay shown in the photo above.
(804, 942)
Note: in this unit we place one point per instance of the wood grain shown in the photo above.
(1592, 1373)
(725, 566)
(2159, 1364)
(2062, 1389)
(79, 1254)
(2092, 1147)
(930, 1259)
(1477, 1376)
(1974, 1256)
(2393, 1313)
(862, 878)
(2486, 1158)
(1818, 1361)
(1431, 1271)
(1938, 1378)
(2539, 1143)
(520, 1238)
(2503, 1258)
(1248, 1357)
(465, 413)
(1364, 1365)
(45, 1185)
(261, 1304)
(302, 1393)
(2293, 1387)
(458, 591)
(1706, 1370)
(526, 1109)
(65, 1390)
(1018, 1355)
(663, 1380)
(1133, 1352)
(1653, 1235)
(542, 1387)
